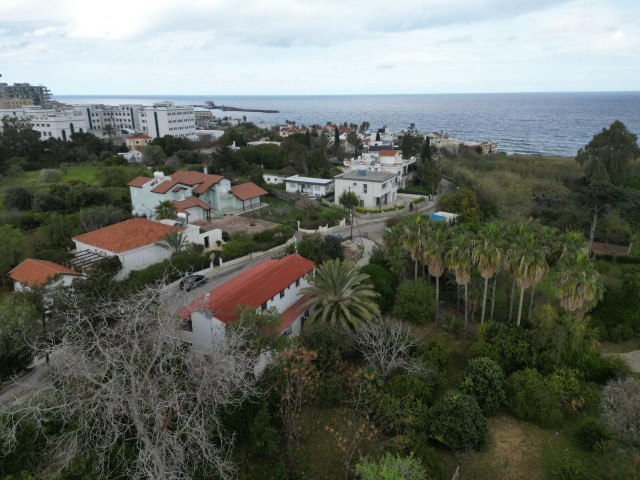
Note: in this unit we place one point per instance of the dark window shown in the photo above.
(263, 306)
(297, 282)
(282, 294)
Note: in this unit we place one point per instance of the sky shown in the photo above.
(315, 47)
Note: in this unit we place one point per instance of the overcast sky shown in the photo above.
(286, 47)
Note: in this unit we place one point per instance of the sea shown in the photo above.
(528, 123)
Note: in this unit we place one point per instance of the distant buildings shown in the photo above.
(167, 118)
(50, 123)
(36, 94)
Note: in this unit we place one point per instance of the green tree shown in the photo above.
(19, 325)
(488, 254)
(175, 242)
(459, 259)
(457, 421)
(18, 198)
(165, 209)
(462, 201)
(413, 239)
(14, 249)
(391, 467)
(414, 302)
(578, 285)
(349, 199)
(384, 282)
(318, 248)
(435, 246)
(614, 149)
(411, 140)
(484, 379)
(153, 155)
(341, 295)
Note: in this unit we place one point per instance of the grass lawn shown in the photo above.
(84, 173)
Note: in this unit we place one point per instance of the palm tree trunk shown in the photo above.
(415, 271)
(594, 223)
(513, 292)
(520, 305)
(457, 297)
(533, 292)
(437, 297)
(466, 309)
(493, 297)
(484, 299)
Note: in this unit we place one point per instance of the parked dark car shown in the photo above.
(192, 281)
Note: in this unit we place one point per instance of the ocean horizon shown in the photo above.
(546, 123)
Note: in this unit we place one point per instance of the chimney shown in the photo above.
(205, 169)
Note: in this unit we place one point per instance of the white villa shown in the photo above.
(375, 189)
(308, 185)
(214, 191)
(269, 284)
(389, 161)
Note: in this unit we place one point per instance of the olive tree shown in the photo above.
(125, 393)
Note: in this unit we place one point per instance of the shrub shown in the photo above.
(511, 347)
(483, 378)
(383, 281)
(567, 468)
(18, 198)
(435, 352)
(410, 387)
(591, 434)
(391, 467)
(457, 421)
(415, 302)
(620, 400)
(49, 175)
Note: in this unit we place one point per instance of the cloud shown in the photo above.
(385, 66)
(45, 32)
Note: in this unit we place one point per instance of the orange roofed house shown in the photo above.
(197, 194)
(39, 273)
(136, 242)
(271, 283)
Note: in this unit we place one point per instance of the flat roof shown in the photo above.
(319, 181)
(368, 177)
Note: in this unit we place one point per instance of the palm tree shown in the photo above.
(528, 259)
(165, 209)
(458, 259)
(578, 284)
(488, 254)
(413, 240)
(175, 242)
(341, 295)
(548, 237)
(433, 252)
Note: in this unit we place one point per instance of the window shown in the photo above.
(364, 188)
(288, 331)
(263, 307)
(384, 185)
(282, 294)
(297, 282)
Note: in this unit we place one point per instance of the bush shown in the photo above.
(415, 302)
(49, 175)
(591, 434)
(410, 387)
(391, 467)
(567, 468)
(484, 379)
(457, 421)
(511, 346)
(319, 248)
(18, 198)
(617, 316)
(435, 352)
(384, 282)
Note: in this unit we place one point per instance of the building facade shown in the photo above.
(167, 118)
(308, 185)
(38, 94)
(374, 189)
(389, 161)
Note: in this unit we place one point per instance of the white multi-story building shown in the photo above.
(118, 117)
(389, 161)
(374, 189)
(167, 118)
(50, 123)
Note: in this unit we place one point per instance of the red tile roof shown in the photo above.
(388, 153)
(248, 190)
(253, 287)
(139, 181)
(202, 181)
(34, 272)
(294, 312)
(190, 202)
(128, 235)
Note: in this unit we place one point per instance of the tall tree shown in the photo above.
(413, 239)
(459, 259)
(614, 148)
(528, 257)
(434, 249)
(15, 248)
(341, 295)
(597, 197)
(488, 255)
(578, 284)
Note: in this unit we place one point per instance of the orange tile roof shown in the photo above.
(190, 202)
(37, 273)
(248, 190)
(203, 181)
(139, 181)
(292, 313)
(388, 153)
(253, 287)
(128, 235)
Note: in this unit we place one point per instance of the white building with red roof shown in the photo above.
(136, 242)
(213, 190)
(39, 273)
(271, 283)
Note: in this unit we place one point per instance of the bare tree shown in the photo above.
(123, 379)
(620, 400)
(385, 344)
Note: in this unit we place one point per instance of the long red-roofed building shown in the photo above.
(269, 284)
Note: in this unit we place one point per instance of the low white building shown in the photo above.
(39, 273)
(273, 283)
(374, 189)
(308, 185)
(132, 156)
(136, 242)
(273, 178)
